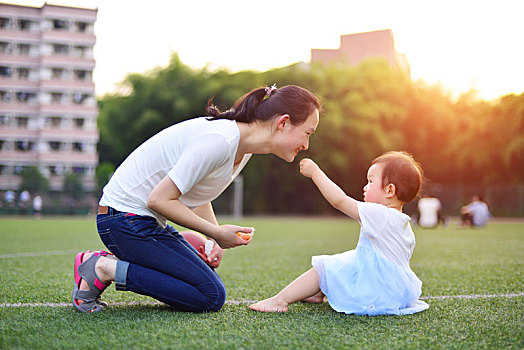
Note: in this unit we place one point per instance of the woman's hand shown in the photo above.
(214, 258)
(308, 167)
(227, 237)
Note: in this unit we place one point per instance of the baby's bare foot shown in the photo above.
(269, 305)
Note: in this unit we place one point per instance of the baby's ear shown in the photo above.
(391, 190)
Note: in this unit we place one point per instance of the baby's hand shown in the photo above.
(308, 167)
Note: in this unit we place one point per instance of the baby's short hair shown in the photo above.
(400, 169)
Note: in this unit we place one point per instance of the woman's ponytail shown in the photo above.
(267, 102)
(242, 111)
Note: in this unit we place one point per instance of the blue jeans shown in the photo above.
(159, 262)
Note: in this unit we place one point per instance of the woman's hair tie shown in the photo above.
(269, 90)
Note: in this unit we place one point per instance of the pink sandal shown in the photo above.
(86, 271)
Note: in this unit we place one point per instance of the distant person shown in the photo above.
(10, 197)
(476, 213)
(429, 210)
(174, 176)
(375, 278)
(25, 197)
(37, 206)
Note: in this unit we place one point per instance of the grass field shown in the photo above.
(449, 261)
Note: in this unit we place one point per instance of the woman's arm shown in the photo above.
(206, 212)
(164, 199)
(334, 194)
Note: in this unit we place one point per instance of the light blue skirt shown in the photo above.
(363, 282)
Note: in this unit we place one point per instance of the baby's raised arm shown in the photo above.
(334, 194)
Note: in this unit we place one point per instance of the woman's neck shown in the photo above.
(255, 138)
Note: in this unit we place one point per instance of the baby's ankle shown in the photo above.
(280, 300)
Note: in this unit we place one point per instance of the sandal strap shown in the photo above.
(86, 270)
(89, 306)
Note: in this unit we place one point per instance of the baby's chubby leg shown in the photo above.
(315, 299)
(303, 287)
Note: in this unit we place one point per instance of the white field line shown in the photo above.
(230, 302)
(24, 255)
(240, 302)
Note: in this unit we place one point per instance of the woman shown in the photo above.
(174, 176)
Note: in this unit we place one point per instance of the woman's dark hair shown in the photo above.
(266, 103)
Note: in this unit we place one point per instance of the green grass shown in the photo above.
(448, 261)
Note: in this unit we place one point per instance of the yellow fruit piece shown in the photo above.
(245, 236)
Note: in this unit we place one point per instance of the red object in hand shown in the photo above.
(195, 239)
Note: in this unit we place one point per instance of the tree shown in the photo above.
(73, 186)
(367, 110)
(33, 181)
(104, 171)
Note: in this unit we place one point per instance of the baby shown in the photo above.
(375, 278)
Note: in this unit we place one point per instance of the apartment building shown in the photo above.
(356, 47)
(48, 109)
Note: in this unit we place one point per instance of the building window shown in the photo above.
(25, 96)
(5, 71)
(80, 74)
(17, 170)
(4, 120)
(56, 97)
(54, 122)
(3, 169)
(79, 122)
(56, 170)
(5, 96)
(57, 73)
(22, 122)
(60, 49)
(24, 24)
(80, 170)
(5, 47)
(24, 49)
(24, 146)
(80, 50)
(78, 146)
(79, 98)
(55, 145)
(2, 143)
(81, 26)
(60, 24)
(23, 73)
(5, 23)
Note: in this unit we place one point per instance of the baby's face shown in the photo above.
(374, 191)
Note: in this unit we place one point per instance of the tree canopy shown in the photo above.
(367, 110)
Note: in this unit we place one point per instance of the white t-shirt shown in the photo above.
(197, 154)
(37, 203)
(428, 209)
(480, 213)
(389, 231)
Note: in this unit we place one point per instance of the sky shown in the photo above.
(460, 45)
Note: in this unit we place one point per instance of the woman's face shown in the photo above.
(295, 138)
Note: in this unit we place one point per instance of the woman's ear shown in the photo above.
(390, 190)
(282, 121)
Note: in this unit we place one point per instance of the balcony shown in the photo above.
(61, 133)
(67, 36)
(15, 83)
(67, 85)
(19, 107)
(69, 60)
(69, 157)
